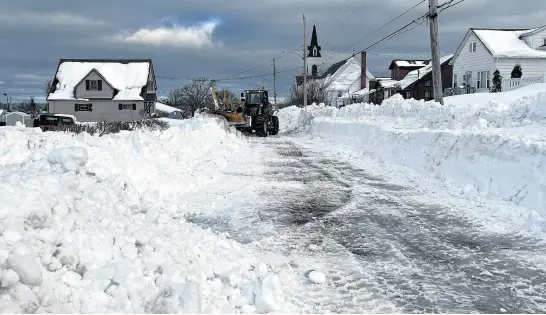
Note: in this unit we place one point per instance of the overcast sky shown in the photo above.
(220, 38)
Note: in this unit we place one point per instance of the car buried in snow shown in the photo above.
(50, 122)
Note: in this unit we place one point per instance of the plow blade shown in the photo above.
(232, 118)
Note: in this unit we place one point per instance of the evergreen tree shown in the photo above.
(516, 72)
(497, 82)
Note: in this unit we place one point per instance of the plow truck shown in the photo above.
(253, 113)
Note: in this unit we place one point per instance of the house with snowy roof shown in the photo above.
(104, 89)
(400, 68)
(416, 84)
(484, 50)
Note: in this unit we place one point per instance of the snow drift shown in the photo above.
(88, 224)
(489, 148)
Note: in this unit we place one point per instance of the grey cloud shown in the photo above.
(252, 33)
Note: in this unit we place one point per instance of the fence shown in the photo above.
(512, 84)
(459, 91)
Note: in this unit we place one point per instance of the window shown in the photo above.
(408, 95)
(428, 83)
(83, 107)
(428, 95)
(472, 47)
(314, 51)
(93, 85)
(468, 78)
(127, 106)
(454, 80)
(483, 80)
(544, 41)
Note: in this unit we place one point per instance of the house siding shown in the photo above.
(103, 110)
(480, 60)
(535, 40)
(81, 92)
(530, 67)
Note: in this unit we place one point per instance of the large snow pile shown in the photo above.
(492, 148)
(96, 224)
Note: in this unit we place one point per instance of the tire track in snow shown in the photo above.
(381, 250)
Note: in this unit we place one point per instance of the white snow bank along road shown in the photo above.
(86, 224)
(489, 148)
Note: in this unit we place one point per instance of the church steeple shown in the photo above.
(314, 48)
(314, 52)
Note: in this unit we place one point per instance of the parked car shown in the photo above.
(50, 121)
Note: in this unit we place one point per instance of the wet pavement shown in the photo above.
(381, 250)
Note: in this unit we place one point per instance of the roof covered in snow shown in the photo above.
(165, 108)
(345, 75)
(408, 63)
(414, 75)
(508, 42)
(127, 76)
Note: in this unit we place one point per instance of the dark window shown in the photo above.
(83, 107)
(127, 106)
(408, 94)
(93, 85)
(428, 83)
(428, 95)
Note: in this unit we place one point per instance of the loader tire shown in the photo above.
(275, 125)
(261, 129)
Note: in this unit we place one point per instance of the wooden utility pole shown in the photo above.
(274, 82)
(304, 61)
(435, 51)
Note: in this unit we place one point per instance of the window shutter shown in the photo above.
(120, 106)
(76, 109)
(90, 107)
(87, 85)
(134, 106)
(100, 85)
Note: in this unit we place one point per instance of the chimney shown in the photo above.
(363, 66)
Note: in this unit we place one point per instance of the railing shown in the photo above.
(512, 84)
(459, 91)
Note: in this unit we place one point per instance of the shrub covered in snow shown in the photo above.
(102, 128)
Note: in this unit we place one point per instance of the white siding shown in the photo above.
(530, 67)
(81, 92)
(535, 40)
(103, 110)
(480, 60)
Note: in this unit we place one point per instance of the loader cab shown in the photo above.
(254, 97)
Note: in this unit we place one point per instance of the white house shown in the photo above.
(483, 51)
(104, 89)
(345, 78)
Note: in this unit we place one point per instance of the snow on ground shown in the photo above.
(487, 145)
(97, 224)
(165, 108)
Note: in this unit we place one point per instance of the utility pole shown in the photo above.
(274, 82)
(304, 61)
(435, 51)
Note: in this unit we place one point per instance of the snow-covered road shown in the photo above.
(382, 246)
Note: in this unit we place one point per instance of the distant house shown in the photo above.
(483, 51)
(104, 89)
(400, 68)
(345, 80)
(417, 84)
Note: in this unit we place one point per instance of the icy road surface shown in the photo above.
(381, 247)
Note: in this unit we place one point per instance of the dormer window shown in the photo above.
(93, 85)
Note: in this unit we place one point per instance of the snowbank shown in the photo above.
(94, 224)
(491, 148)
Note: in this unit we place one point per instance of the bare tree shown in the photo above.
(316, 92)
(194, 94)
(47, 87)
